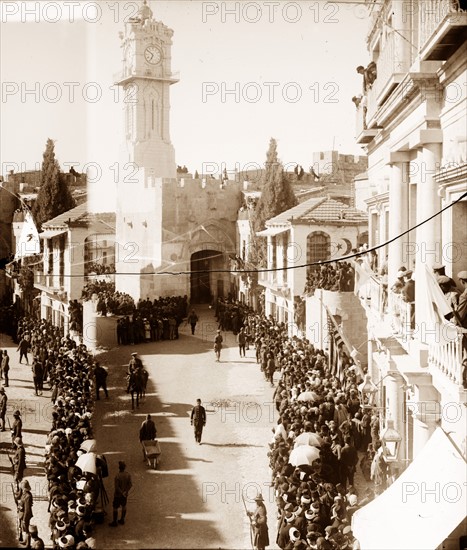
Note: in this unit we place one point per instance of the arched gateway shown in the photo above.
(206, 283)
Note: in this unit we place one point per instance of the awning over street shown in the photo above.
(422, 507)
(272, 231)
(49, 233)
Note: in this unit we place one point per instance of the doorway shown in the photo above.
(201, 277)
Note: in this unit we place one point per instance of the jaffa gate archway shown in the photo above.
(207, 282)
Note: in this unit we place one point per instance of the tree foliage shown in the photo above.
(26, 279)
(276, 196)
(54, 195)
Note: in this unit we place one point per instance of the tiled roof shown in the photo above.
(320, 209)
(332, 211)
(296, 212)
(80, 214)
(70, 215)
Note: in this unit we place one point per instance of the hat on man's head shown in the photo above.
(294, 534)
(32, 529)
(462, 275)
(60, 525)
(438, 266)
(17, 413)
(134, 353)
(259, 497)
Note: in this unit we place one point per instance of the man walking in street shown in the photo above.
(37, 376)
(3, 404)
(241, 342)
(147, 432)
(198, 420)
(192, 319)
(100, 375)
(5, 365)
(23, 348)
(122, 486)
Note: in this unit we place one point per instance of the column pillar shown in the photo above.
(429, 249)
(401, 33)
(428, 246)
(395, 406)
(398, 213)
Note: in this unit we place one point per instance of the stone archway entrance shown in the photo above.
(204, 286)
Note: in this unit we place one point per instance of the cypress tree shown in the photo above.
(276, 196)
(54, 195)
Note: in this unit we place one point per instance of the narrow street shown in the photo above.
(194, 498)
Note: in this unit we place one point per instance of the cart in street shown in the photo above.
(152, 450)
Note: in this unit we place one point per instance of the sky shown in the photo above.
(289, 68)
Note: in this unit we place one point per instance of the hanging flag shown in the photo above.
(435, 328)
(28, 243)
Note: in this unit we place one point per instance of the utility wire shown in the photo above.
(319, 263)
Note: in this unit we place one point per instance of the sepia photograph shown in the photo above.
(233, 274)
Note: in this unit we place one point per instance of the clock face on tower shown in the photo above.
(152, 55)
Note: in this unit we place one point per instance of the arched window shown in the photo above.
(318, 247)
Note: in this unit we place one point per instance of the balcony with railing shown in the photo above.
(402, 319)
(267, 278)
(51, 282)
(375, 295)
(442, 25)
(447, 358)
(391, 68)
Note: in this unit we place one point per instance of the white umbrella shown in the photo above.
(308, 396)
(304, 454)
(308, 438)
(87, 463)
(88, 445)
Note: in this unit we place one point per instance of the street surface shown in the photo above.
(194, 498)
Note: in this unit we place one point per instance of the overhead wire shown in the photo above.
(253, 270)
(301, 266)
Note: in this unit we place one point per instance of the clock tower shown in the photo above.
(147, 158)
(146, 78)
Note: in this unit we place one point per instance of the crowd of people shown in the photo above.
(339, 276)
(231, 314)
(316, 500)
(73, 491)
(108, 300)
(154, 320)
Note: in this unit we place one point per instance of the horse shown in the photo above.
(136, 386)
